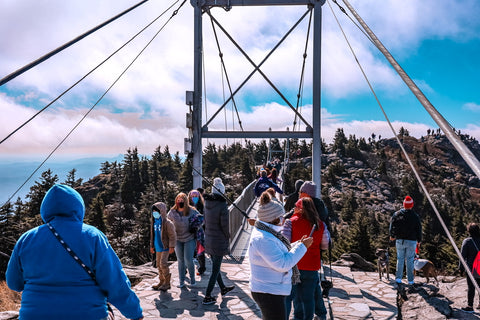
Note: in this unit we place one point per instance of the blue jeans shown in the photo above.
(405, 255)
(307, 297)
(215, 276)
(184, 252)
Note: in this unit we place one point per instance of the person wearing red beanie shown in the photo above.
(406, 230)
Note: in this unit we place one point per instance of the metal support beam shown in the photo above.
(200, 132)
(258, 134)
(232, 3)
(197, 96)
(316, 103)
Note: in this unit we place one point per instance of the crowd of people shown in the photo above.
(67, 269)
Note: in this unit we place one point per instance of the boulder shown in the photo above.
(355, 261)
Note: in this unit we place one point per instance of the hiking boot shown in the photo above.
(227, 289)
(166, 284)
(209, 300)
(160, 283)
(467, 309)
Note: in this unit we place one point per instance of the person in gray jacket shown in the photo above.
(217, 237)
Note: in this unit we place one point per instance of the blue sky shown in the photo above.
(437, 43)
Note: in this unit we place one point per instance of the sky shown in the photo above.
(436, 42)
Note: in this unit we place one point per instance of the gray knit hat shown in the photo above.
(218, 186)
(270, 211)
(310, 188)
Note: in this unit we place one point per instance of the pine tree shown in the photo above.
(95, 215)
(185, 183)
(71, 179)
(38, 191)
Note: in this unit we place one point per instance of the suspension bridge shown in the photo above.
(169, 306)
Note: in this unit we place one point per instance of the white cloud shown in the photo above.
(472, 106)
(152, 92)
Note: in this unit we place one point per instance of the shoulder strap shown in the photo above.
(71, 252)
(475, 244)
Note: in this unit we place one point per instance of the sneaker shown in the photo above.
(398, 280)
(227, 290)
(467, 309)
(193, 285)
(411, 283)
(209, 300)
(181, 285)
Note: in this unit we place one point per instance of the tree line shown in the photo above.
(118, 200)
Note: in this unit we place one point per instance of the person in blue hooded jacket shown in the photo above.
(54, 285)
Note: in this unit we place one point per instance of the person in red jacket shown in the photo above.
(307, 295)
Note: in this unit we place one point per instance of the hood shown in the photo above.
(62, 201)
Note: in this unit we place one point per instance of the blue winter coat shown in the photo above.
(54, 285)
(263, 184)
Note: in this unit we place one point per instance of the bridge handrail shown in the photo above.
(244, 202)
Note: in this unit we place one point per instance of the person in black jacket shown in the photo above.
(406, 231)
(293, 197)
(470, 248)
(217, 237)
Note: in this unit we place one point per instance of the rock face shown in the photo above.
(355, 261)
(428, 301)
(138, 273)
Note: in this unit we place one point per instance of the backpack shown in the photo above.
(476, 263)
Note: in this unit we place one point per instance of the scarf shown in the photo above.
(279, 236)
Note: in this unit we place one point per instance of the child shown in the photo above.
(162, 242)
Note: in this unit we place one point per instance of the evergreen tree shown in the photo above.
(71, 179)
(131, 187)
(339, 142)
(95, 216)
(38, 191)
(185, 183)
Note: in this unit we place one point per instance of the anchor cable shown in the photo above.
(66, 45)
(86, 75)
(96, 103)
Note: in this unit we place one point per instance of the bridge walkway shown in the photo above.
(355, 295)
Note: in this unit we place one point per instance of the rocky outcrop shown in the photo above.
(138, 273)
(354, 261)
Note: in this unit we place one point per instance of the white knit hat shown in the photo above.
(218, 186)
(269, 211)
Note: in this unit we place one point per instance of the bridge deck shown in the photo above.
(356, 295)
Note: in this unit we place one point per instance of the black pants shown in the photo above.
(471, 291)
(273, 306)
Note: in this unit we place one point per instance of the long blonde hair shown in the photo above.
(186, 206)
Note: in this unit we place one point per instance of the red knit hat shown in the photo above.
(408, 202)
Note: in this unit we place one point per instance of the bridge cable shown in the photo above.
(27, 67)
(219, 191)
(96, 103)
(87, 74)
(302, 74)
(257, 67)
(223, 70)
(419, 179)
(454, 139)
(205, 85)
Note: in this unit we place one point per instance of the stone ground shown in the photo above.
(355, 295)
